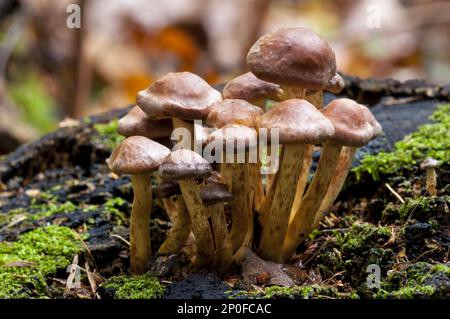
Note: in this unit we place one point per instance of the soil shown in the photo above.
(367, 225)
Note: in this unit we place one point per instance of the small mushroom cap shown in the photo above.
(168, 189)
(136, 123)
(137, 155)
(429, 162)
(336, 84)
(236, 136)
(214, 193)
(293, 57)
(184, 164)
(182, 95)
(233, 112)
(353, 123)
(248, 87)
(298, 122)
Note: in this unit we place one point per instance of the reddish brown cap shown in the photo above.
(233, 112)
(336, 84)
(248, 87)
(237, 136)
(184, 164)
(353, 123)
(137, 155)
(183, 95)
(215, 192)
(136, 123)
(298, 122)
(293, 57)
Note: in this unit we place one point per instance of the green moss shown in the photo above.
(135, 287)
(26, 263)
(297, 292)
(431, 140)
(424, 208)
(108, 134)
(360, 236)
(111, 208)
(418, 280)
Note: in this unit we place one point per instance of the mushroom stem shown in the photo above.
(301, 224)
(303, 179)
(431, 180)
(222, 241)
(199, 220)
(343, 167)
(293, 92)
(255, 181)
(276, 222)
(181, 228)
(140, 223)
(240, 205)
(316, 99)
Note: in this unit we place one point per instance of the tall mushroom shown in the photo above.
(298, 123)
(354, 126)
(335, 86)
(185, 167)
(251, 89)
(239, 112)
(181, 96)
(139, 157)
(239, 142)
(181, 222)
(429, 165)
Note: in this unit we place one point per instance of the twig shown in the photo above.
(121, 238)
(395, 193)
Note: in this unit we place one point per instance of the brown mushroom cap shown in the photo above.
(298, 121)
(184, 164)
(137, 155)
(233, 135)
(168, 189)
(429, 162)
(293, 57)
(336, 84)
(248, 87)
(182, 95)
(214, 193)
(353, 123)
(233, 112)
(136, 123)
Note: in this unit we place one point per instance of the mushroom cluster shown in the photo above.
(212, 182)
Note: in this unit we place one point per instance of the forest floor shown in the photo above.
(64, 217)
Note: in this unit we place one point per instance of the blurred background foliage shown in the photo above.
(49, 72)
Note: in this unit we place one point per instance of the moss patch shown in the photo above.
(134, 287)
(25, 264)
(430, 140)
(108, 135)
(419, 280)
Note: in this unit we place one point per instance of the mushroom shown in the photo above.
(240, 143)
(136, 123)
(354, 126)
(298, 123)
(181, 223)
(335, 86)
(240, 112)
(139, 157)
(295, 58)
(430, 165)
(185, 167)
(181, 96)
(214, 196)
(251, 89)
